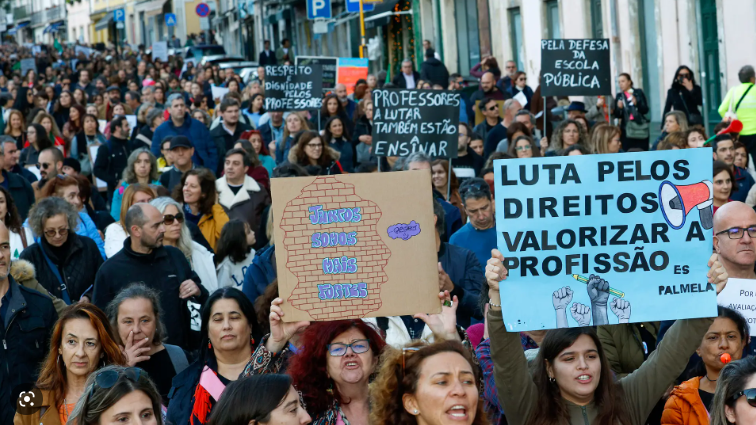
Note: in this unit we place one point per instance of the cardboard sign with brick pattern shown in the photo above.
(355, 246)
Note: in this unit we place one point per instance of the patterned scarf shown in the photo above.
(208, 392)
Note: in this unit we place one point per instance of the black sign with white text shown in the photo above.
(575, 67)
(407, 121)
(293, 88)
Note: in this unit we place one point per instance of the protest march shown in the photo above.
(196, 239)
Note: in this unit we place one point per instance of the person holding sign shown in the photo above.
(631, 107)
(689, 403)
(573, 381)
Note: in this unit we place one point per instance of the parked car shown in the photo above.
(198, 52)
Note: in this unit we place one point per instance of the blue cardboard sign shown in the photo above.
(318, 9)
(170, 19)
(605, 239)
(119, 15)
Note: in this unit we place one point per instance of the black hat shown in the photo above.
(180, 142)
(73, 163)
(576, 106)
(113, 88)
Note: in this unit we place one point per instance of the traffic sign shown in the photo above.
(353, 6)
(202, 10)
(170, 19)
(319, 9)
(119, 15)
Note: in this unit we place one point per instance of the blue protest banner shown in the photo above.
(318, 9)
(605, 239)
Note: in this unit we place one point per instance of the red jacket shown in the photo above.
(684, 406)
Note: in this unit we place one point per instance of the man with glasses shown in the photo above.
(19, 187)
(724, 150)
(735, 239)
(490, 110)
(50, 165)
(163, 268)
(479, 234)
(468, 164)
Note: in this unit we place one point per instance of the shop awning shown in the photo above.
(15, 29)
(104, 22)
(382, 13)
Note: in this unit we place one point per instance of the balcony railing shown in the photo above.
(48, 16)
(21, 13)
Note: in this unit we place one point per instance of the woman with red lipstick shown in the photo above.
(82, 342)
(422, 384)
(573, 381)
(690, 403)
(337, 361)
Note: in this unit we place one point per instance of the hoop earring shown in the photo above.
(552, 380)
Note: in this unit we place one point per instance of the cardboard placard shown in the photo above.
(575, 67)
(160, 50)
(329, 69)
(293, 88)
(407, 121)
(92, 150)
(740, 295)
(132, 119)
(218, 92)
(355, 245)
(605, 239)
(350, 71)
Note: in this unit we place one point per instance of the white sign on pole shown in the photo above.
(204, 24)
(160, 50)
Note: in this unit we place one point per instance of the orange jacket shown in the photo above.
(684, 406)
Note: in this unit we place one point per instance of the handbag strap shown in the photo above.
(22, 233)
(743, 97)
(56, 272)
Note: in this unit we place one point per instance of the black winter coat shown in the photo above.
(21, 191)
(78, 269)
(112, 158)
(25, 338)
(182, 393)
(680, 99)
(164, 269)
(225, 142)
(435, 72)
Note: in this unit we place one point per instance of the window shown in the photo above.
(515, 29)
(552, 19)
(468, 41)
(597, 20)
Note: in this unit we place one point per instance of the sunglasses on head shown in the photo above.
(108, 378)
(750, 395)
(169, 218)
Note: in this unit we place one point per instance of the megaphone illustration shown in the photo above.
(677, 201)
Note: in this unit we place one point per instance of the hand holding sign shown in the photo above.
(444, 324)
(495, 272)
(280, 332)
(717, 274)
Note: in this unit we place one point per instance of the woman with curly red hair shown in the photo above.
(421, 383)
(82, 342)
(334, 361)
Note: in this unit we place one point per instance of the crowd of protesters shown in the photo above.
(138, 279)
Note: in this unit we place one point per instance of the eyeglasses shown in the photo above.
(169, 218)
(750, 396)
(51, 233)
(738, 232)
(523, 148)
(43, 165)
(493, 107)
(405, 350)
(338, 349)
(108, 378)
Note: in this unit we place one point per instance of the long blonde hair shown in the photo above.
(601, 135)
(305, 126)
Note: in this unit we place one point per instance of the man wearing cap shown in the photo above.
(113, 97)
(182, 124)
(182, 152)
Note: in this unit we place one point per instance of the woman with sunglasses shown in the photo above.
(340, 356)
(117, 394)
(690, 403)
(261, 399)
(116, 232)
(735, 400)
(179, 234)
(66, 263)
(228, 330)
(135, 316)
(427, 384)
(684, 95)
(81, 342)
(573, 381)
(142, 168)
(520, 85)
